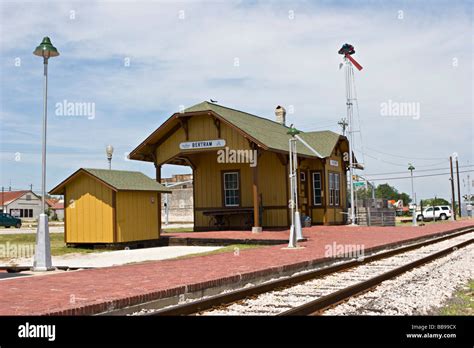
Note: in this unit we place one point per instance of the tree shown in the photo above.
(364, 193)
(434, 201)
(385, 191)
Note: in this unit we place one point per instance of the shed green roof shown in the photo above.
(120, 180)
(270, 133)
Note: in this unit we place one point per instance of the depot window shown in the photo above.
(231, 189)
(334, 189)
(317, 189)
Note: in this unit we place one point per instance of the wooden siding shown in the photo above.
(272, 187)
(137, 215)
(89, 213)
(273, 176)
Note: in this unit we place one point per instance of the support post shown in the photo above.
(453, 200)
(459, 188)
(158, 204)
(42, 259)
(256, 209)
(292, 239)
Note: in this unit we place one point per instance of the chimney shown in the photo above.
(280, 114)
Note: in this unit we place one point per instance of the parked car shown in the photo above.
(442, 212)
(7, 220)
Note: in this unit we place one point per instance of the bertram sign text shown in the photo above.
(202, 144)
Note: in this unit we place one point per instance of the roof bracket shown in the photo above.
(184, 124)
(217, 123)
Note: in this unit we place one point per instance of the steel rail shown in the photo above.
(220, 300)
(319, 305)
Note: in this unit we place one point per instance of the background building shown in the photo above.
(24, 204)
(56, 208)
(178, 206)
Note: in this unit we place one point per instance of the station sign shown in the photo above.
(202, 144)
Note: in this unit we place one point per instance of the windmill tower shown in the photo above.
(347, 51)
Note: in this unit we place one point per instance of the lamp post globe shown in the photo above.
(42, 259)
(109, 150)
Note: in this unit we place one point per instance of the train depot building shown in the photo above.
(240, 168)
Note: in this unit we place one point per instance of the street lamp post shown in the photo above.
(411, 169)
(42, 260)
(109, 150)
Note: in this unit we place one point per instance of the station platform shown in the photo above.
(93, 291)
(226, 238)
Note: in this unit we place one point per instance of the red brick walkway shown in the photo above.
(93, 291)
(268, 235)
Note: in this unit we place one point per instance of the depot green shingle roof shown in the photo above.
(270, 133)
(120, 180)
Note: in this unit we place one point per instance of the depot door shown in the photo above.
(303, 188)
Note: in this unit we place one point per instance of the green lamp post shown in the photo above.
(42, 260)
(411, 169)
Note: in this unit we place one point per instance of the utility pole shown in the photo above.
(469, 188)
(469, 205)
(453, 201)
(3, 200)
(343, 123)
(459, 189)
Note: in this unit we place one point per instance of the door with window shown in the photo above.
(304, 199)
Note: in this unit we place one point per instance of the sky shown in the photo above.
(136, 63)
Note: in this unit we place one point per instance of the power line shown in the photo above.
(318, 128)
(409, 158)
(420, 176)
(420, 170)
(400, 164)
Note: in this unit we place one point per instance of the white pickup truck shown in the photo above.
(441, 212)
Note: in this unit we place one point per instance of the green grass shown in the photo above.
(234, 248)
(462, 303)
(58, 247)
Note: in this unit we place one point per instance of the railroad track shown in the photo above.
(314, 291)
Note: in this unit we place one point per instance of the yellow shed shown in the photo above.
(110, 206)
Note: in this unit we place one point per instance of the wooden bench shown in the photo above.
(220, 218)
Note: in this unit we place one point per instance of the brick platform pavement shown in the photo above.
(227, 238)
(95, 291)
